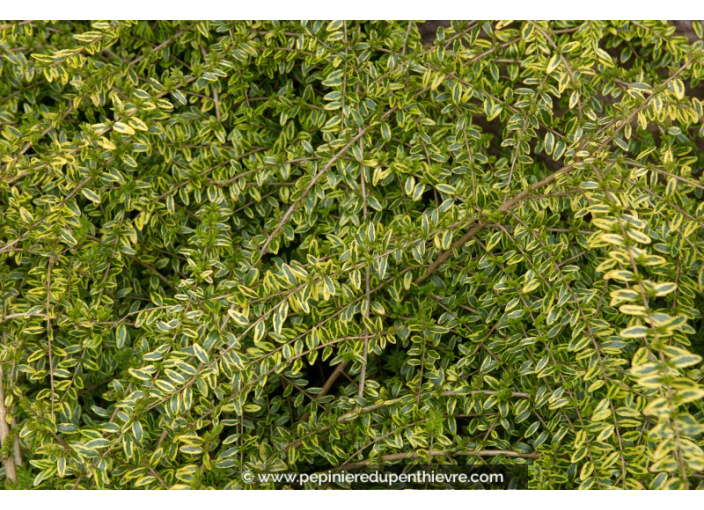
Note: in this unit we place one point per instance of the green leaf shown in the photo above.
(553, 63)
(178, 96)
(138, 124)
(121, 336)
(91, 195)
(634, 332)
(120, 127)
(239, 318)
(259, 331)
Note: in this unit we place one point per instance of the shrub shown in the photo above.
(301, 247)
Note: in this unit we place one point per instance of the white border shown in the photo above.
(299, 500)
(355, 9)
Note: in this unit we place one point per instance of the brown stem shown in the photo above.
(333, 377)
(506, 206)
(363, 373)
(49, 334)
(153, 270)
(9, 462)
(17, 449)
(287, 215)
(326, 387)
(440, 453)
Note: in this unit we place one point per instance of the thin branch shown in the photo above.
(363, 373)
(440, 453)
(9, 462)
(49, 335)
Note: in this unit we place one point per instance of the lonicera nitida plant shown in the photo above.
(300, 246)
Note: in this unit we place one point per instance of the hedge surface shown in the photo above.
(312, 246)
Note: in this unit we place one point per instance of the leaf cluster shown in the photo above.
(269, 246)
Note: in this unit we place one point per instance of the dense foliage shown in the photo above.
(295, 247)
